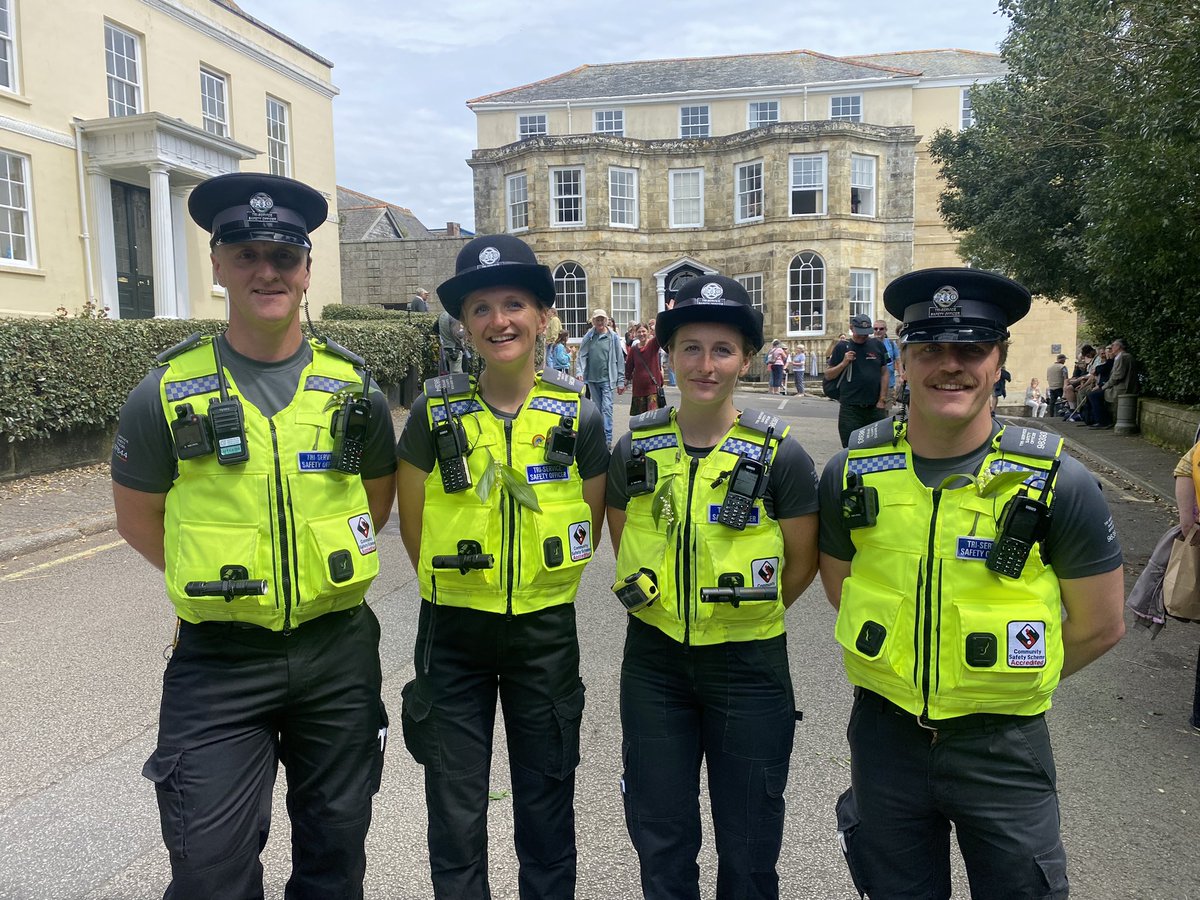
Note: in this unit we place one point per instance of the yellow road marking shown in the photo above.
(40, 567)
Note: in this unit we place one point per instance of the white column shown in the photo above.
(661, 290)
(106, 245)
(179, 229)
(163, 241)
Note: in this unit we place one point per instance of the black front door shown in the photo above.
(679, 278)
(135, 262)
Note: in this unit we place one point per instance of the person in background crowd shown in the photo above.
(642, 371)
(420, 302)
(1033, 400)
(799, 360)
(1076, 387)
(1119, 382)
(1187, 500)
(452, 341)
(1056, 381)
(860, 367)
(777, 358)
(1000, 389)
(880, 333)
(600, 362)
(559, 357)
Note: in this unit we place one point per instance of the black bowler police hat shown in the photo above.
(491, 260)
(250, 206)
(711, 298)
(955, 306)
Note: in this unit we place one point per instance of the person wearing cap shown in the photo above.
(227, 476)
(859, 367)
(1056, 382)
(713, 516)
(973, 565)
(600, 362)
(501, 497)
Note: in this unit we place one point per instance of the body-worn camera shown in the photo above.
(560, 442)
(641, 472)
(191, 433)
(637, 591)
(860, 503)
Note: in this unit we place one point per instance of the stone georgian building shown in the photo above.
(804, 176)
(111, 111)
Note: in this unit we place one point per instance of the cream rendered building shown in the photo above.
(110, 113)
(804, 176)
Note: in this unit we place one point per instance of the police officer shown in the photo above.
(713, 514)
(973, 565)
(227, 478)
(501, 491)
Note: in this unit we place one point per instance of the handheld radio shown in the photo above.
(350, 425)
(1024, 522)
(227, 419)
(450, 447)
(747, 483)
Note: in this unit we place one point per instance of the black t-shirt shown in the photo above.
(143, 456)
(1082, 539)
(591, 449)
(791, 483)
(860, 380)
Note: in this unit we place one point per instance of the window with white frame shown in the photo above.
(622, 197)
(609, 121)
(862, 185)
(754, 287)
(846, 109)
(686, 191)
(121, 62)
(516, 191)
(214, 108)
(16, 241)
(693, 121)
(570, 287)
(626, 301)
(748, 187)
(278, 137)
(807, 184)
(862, 293)
(806, 294)
(531, 126)
(966, 114)
(566, 196)
(762, 112)
(8, 47)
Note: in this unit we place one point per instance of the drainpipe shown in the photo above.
(568, 117)
(84, 235)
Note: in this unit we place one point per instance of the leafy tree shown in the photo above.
(1081, 175)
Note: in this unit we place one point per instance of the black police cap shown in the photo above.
(491, 260)
(955, 305)
(251, 206)
(711, 298)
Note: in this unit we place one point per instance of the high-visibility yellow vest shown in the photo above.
(284, 516)
(922, 620)
(682, 543)
(538, 557)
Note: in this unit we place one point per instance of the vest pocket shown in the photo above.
(557, 543)
(334, 562)
(875, 626)
(755, 554)
(445, 526)
(204, 548)
(993, 651)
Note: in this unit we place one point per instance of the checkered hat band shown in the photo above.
(738, 447)
(326, 384)
(1036, 479)
(460, 408)
(655, 442)
(558, 407)
(181, 390)
(884, 463)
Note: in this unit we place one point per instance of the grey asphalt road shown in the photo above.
(82, 634)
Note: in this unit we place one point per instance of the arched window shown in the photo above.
(806, 294)
(570, 283)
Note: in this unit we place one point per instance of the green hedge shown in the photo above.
(61, 374)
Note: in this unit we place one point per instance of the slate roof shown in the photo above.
(790, 68)
(365, 218)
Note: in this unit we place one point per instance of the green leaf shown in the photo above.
(664, 503)
(487, 481)
(498, 795)
(998, 482)
(519, 489)
(338, 398)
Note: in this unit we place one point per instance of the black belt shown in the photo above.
(969, 722)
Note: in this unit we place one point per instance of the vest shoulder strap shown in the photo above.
(1029, 442)
(877, 434)
(459, 383)
(192, 340)
(762, 422)
(337, 349)
(553, 378)
(655, 418)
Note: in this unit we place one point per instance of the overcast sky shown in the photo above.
(406, 69)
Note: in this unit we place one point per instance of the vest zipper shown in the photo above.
(512, 518)
(686, 553)
(927, 627)
(285, 568)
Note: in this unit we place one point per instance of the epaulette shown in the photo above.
(555, 378)
(656, 418)
(338, 350)
(877, 434)
(762, 422)
(186, 344)
(459, 383)
(1029, 442)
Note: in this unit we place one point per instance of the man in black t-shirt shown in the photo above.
(859, 365)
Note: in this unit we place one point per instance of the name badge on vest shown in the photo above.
(1026, 644)
(540, 473)
(973, 548)
(580, 534)
(714, 511)
(315, 460)
(364, 532)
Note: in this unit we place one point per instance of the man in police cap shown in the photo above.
(250, 470)
(951, 547)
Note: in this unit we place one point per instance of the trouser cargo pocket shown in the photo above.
(563, 755)
(163, 768)
(847, 823)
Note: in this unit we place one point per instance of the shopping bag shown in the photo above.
(1181, 583)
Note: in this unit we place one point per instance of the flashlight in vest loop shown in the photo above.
(470, 556)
